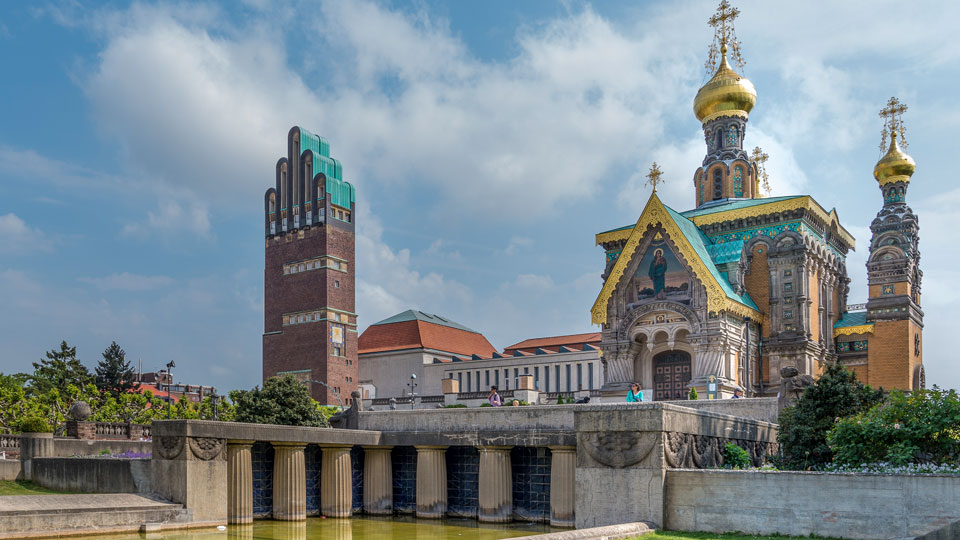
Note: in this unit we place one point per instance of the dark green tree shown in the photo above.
(114, 373)
(58, 370)
(283, 400)
(835, 395)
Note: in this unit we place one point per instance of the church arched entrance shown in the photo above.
(671, 373)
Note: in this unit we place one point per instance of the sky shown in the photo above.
(488, 143)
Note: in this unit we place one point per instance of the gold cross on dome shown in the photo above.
(724, 35)
(760, 158)
(892, 116)
(654, 176)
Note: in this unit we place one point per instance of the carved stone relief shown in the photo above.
(207, 448)
(618, 449)
(168, 447)
(689, 451)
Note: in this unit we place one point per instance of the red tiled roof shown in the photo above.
(420, 334)
(574, 341)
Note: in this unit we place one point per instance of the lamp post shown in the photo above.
(413, 389)
(330, 388)
(170, 365)
(214, 399)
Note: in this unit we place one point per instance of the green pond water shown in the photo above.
(396, 528)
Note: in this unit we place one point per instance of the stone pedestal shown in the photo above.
(289, 482)
(377, 480)
(81, 430)
(34, 445)
(336, 482)
(563, 469)
(496, 485)
(239, 482)
(191, 471)
(431, 481)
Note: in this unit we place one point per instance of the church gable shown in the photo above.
(673, 259)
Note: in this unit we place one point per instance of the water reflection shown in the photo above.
(368, 528)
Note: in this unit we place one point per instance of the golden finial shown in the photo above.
(724, 34)
(654, 176)
(892, 116)
(759, 157)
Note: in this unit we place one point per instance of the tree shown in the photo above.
(59, 370)
(14, 403)
(114, 373)
(283, 400)
(835, 395)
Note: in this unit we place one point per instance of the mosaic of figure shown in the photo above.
(660, 276)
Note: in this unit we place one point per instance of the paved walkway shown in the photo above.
(67, 503)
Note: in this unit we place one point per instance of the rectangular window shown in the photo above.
(579, 377)
(496, 377)
(557, 381)
(536, 378)
(568, 377)
(460, 380)
(468, 382)
(526, 371)
(590, 373)
(486, 378)
(506, 379)
(478, 382)
(546, 378)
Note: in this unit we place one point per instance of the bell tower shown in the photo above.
(723, 106)
(893, 268)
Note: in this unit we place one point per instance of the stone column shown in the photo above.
(34, 445)
(289, 482)
(563, 469)
(336, 482)
(431, 481)
(496, 485)
(239, 482)
(377, 480)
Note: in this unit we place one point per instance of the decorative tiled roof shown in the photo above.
(572, 341)
(852, 322)
(417, 330)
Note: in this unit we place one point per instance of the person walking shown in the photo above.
(634, 395)
(494, 397)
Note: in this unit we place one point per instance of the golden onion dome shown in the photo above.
(727, 93)
(895, 166)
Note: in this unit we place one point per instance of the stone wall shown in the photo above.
(802, 503)
(93, 475)
(763, 409)
(9, 469)
(75, 447)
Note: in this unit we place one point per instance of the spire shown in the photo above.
(724, 34)
(896, 165)
(654, 176)
(727, 93)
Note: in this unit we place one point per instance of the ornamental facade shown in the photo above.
(726, 295)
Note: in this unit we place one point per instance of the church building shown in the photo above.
(725, 295)
(309, 319)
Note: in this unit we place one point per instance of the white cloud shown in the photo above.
(518, 244)
(125, 281)
(172, 217)
(17, 237)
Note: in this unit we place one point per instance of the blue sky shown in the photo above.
(488, 143)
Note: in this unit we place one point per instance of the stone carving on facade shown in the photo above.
(207, 448)
(618, 449)
(689, 451)
(168, 447)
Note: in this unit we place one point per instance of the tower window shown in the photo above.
(336, 284)
(733, 136)
(717, 184)
(719, 137)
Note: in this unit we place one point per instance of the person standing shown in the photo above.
(634, 395)
(494, 398)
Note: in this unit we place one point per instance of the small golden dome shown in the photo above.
(895, 166)
(726, 93)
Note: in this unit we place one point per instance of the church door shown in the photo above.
(671, 373)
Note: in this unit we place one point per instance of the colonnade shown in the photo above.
(336, 485)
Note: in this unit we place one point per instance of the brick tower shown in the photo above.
(893, 271)
(310, 327)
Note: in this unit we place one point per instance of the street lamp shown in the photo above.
(170, 365)
(330, 388)
(413, 388)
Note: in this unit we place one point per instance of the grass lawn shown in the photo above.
(670, 535)
(20, 487)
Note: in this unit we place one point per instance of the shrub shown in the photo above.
(457, 406)
(923, 427)
(283, 400)
(735, 457)
(804, 426)
(486, 405)
(34, 424)
(560, 400)
(693, 393)
(104, 452)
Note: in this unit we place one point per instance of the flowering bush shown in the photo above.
(923, 427)
(890, 468)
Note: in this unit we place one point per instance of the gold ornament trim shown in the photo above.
(772, 207)
(892, 179)
(655, 213)
(721, 114)
(851, 330)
